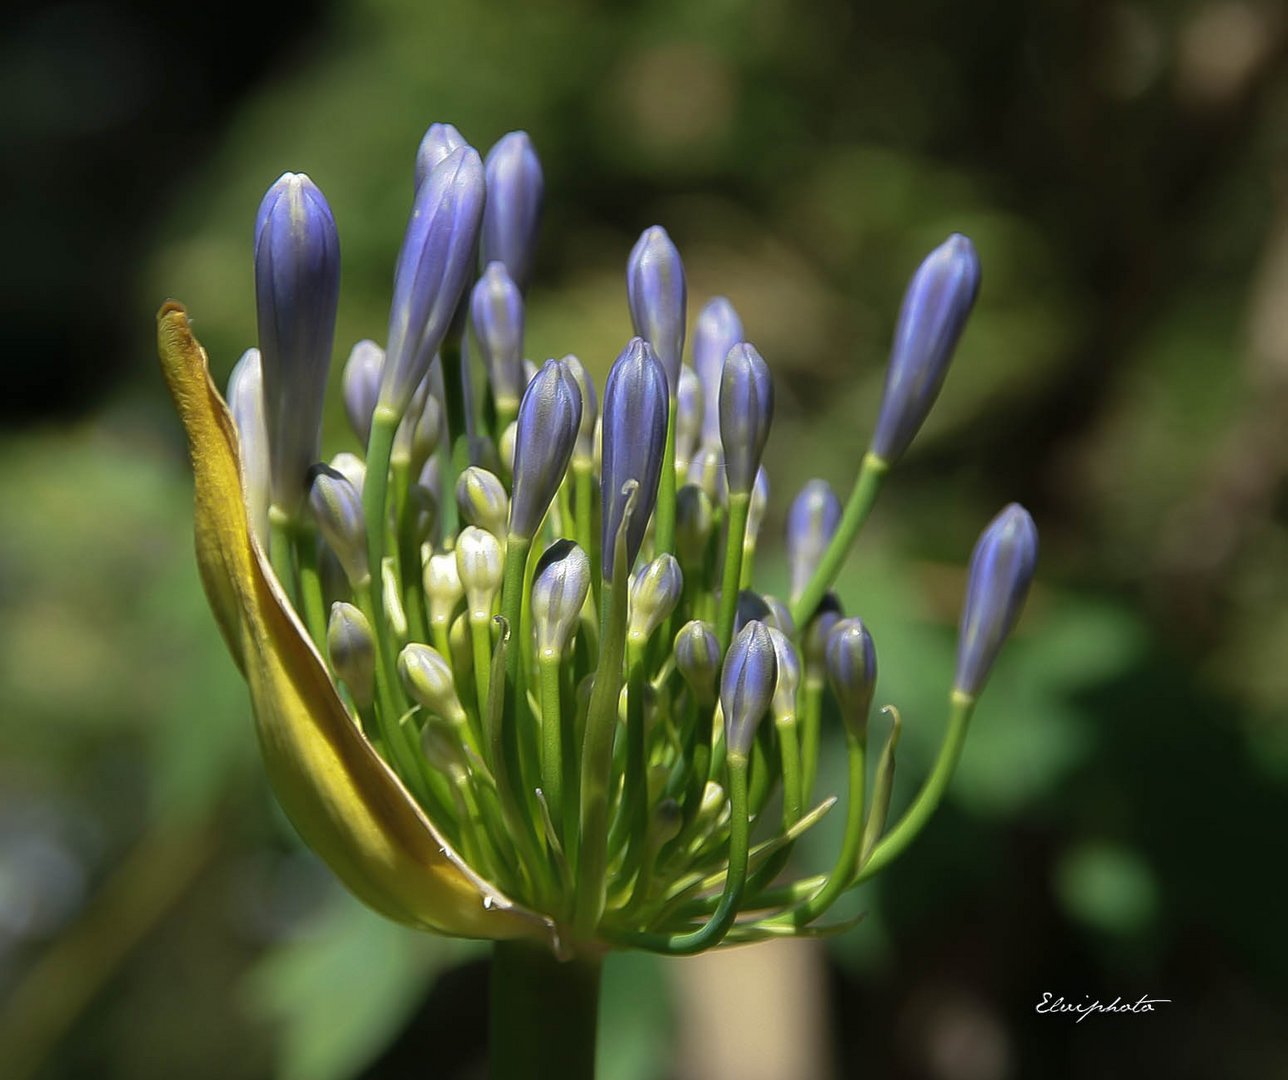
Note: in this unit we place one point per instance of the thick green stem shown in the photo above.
(544, 1014)
(857, 508)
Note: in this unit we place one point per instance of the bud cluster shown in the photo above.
(538, 600)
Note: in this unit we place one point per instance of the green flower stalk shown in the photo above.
(533, 718)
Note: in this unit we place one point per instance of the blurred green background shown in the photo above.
(1116, 828)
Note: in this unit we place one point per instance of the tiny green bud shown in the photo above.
(442, 749)
(480, 564)
(427, 678)
(353, 652)
(655, 591)
(482, 500)
(697, 657)
(443, 587)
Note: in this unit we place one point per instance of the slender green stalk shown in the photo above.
(375, 491)
(739, 506)
(789, 747)
(961, 707)
(631, 824)
(552, 736)
(583, 485)
(456, 443)
(811, 731)
(544, 1014)
(664, 534)
(722, 919)
(863, 497)
(305, 542)
(847, 860)
(597, 753)
(481, 645)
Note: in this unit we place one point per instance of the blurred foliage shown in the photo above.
(1113, 826)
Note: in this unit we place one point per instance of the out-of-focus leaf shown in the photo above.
(1108, 887)
(341, 990)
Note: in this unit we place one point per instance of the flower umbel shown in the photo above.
(548, 701)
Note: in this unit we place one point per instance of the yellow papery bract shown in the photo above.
(341, 796)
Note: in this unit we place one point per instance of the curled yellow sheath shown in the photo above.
(346, 803)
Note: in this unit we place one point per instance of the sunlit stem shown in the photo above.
(515, 587)
(664, 534)
(375, 491)
(961, 707)
(789, 748)
(552, 735)
(811, 730)
(597, 746)
(731, 898)
(748, 562)
(863, 496)
(631, 824)
(410, 568)
(481, 647)
(456, 443)
(739, 506)
(583, 486)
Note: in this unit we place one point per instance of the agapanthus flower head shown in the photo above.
(549, 421)
(634, 436)
(656, 290)
(747, 685)
(718, 330)
(297, 290)
(514, 189)
(939, 298)
(1001, 569)
(496, 730)
(433, 270)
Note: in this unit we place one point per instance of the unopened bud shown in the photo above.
(337, 509)
(482, 500)
(654, 593)
(852, 670)
(559, 589)
(480, 563)
(747, 686)
(361, 387)
(353, 652)
(697, 658)
(427, 677)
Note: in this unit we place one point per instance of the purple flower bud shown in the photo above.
(584, 450)
(747, 686)
(351, 467)
(634, 438)
(514, 190)
(246, 403)
(297, 288)
(434, 267)
(779, 617)
(438, 142)
(746, 409)
(656, 291)
(688, 416)
(496, 307)
(549, 419)
(697, 657)
(851, 661)
(750, 606)
(559, 589)
(789, 674)
(811, 522)
(717, 331)
(1001, 568)
(935, 307)
(337, 509)
(817, 631)
(361, 387)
